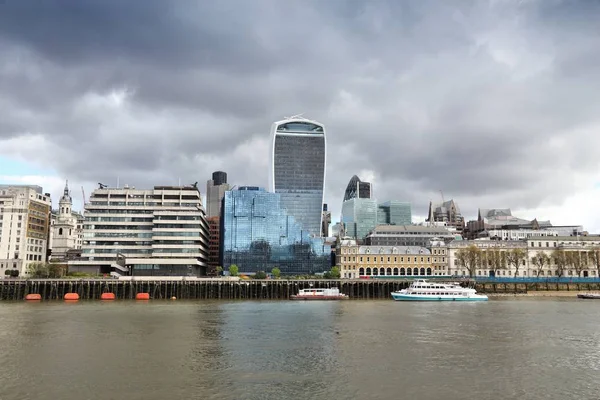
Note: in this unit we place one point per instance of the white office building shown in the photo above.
(157, 232)
(24, 227)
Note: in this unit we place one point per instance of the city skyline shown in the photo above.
(491, 103)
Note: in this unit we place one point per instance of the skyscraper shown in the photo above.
(258, 235)
(361, 212)
(215, 190)
(298, 169)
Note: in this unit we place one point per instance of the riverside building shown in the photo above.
(298, 162)
(408, 235)
(24, 227)
(66, 236)
(356, 261)
(259, 235)
(140, 232)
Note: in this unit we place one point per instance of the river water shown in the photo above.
(502, 349)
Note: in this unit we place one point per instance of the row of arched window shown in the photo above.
(394, 271)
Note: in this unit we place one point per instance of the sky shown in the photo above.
(492, 103)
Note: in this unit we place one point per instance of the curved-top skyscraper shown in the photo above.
(298, 161)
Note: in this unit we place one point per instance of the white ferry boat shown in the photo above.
(421, 290)
(319, 294)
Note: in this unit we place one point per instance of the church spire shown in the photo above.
(66, 192)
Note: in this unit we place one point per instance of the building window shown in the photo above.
(60, 231)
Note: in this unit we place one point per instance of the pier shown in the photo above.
(224, 289)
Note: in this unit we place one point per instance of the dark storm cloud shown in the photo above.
(489, 101)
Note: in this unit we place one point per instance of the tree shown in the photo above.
(515, 258)
(276, 272)
(259, 275)
(540, 260)
(495, 260)
(38, 270)
(560, 261)
(335, 273)
(576, 261)
(219, 270)
(469, 258)
(7, 272)
(233, 270)
(594, 257)
(56, 270)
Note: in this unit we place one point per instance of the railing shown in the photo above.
(532, 279)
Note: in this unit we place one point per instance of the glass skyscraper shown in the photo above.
(361, 213)
(394, 213)
(298, 169)
(359, 216)
(257, 235)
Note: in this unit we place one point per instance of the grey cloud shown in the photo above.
(468, 97)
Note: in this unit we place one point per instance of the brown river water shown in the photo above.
(508, 348)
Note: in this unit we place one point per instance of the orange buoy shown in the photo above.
(142, 296)
(107, 296)
(71, 296)
(33, 297)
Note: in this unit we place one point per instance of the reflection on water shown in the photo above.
(509, 349)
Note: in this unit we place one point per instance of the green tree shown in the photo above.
(515, 258)
(559, 259)
(219, 270)
(540, 260)
(594, 257)
(260, 275)
(469, 258)
(276, 272)
(38, 270)
(335, 273)
(234, 270)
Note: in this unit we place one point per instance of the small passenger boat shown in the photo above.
(588, 296)
(421, 290)
(319, 294)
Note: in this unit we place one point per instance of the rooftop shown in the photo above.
(393, 250)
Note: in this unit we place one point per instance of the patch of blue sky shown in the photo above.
(15, 168)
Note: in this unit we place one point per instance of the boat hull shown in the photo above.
(410, 297)
(588, 296)
(314, 298)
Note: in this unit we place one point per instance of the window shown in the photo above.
(547, 244)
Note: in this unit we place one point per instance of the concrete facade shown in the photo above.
(156, 232)
(24, 227)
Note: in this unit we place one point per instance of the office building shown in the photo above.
(357, 261)
(66, 229)
(361, 213)
(24, 227)
(215, 190)
(138, 232)
(298, 169)
(409, 235)
(214, 243)
(359, 217)
(357, 189)
(258, 235)
(326, 221)
(447, 213)
(394, 213)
